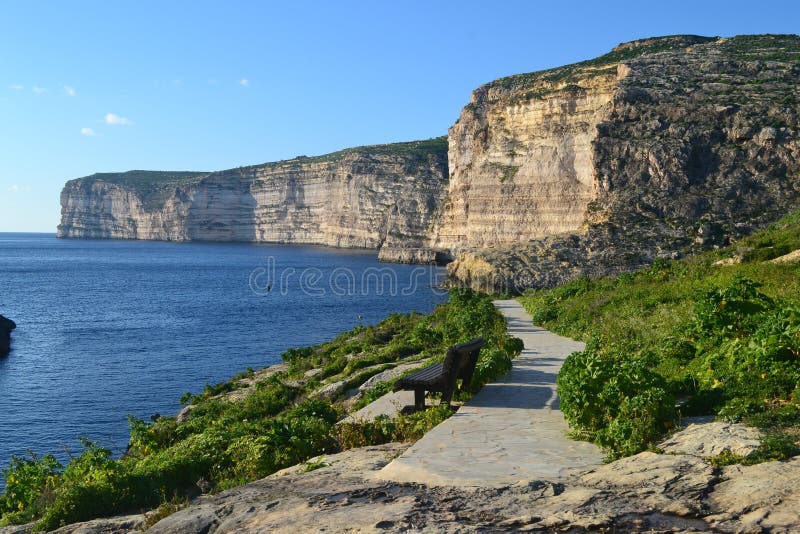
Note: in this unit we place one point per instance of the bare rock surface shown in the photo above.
(330, 391)
(758, 497)
(109, 525)
(664, 483)
(6, 326)
(645, 493)
(712, 439)
(390, 405)
(792, 257)
(391, 374)
(662, 148)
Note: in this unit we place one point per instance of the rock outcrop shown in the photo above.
(658, 149)
(378, 197)
(6, 326)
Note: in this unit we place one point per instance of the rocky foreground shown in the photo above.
(677, 490)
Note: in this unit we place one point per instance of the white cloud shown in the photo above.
(244, 82)
(16, 87)
(116, 120)
(19, 189)
(14, 188)
(39, 90)
(87, 131)
(70, 90)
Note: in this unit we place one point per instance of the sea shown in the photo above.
(108, 329)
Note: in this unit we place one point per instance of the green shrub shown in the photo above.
(727, 310)
(89, 482)
(383, 429)
(29, 486)
(619, 402)
(492, 363)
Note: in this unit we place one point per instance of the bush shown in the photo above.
(619, 402)
(89, 482)
(726, 311)
(384, 429)
(29, 486)
(492, 363)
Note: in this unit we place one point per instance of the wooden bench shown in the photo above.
(443, 376)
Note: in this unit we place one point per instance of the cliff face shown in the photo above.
(521, 163)
(369, 197)
(658, 149)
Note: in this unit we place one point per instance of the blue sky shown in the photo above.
(191, 85)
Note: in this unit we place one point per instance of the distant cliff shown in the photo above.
(380, 197)
(661, 147)
(657, 149)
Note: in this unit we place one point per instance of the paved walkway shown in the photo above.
(511, 431)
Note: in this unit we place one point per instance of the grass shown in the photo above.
(720, 339)
(419, 150)
(280, 423)
(147, 179)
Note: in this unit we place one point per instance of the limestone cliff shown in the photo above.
(368, 197)
(659, 148)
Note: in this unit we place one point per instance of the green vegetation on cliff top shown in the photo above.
(276, 422)
(684, 338)
(749, 47)
(417, 150)
(149, 181)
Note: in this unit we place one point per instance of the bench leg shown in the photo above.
(419, 399)
(447, 396)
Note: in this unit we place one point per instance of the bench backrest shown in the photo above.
(466, 356)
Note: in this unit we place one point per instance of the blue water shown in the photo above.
(111, 328)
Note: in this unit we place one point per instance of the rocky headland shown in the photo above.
(6, 326)
(658, 149)
(376, 197)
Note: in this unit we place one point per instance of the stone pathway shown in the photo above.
(511, 431)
